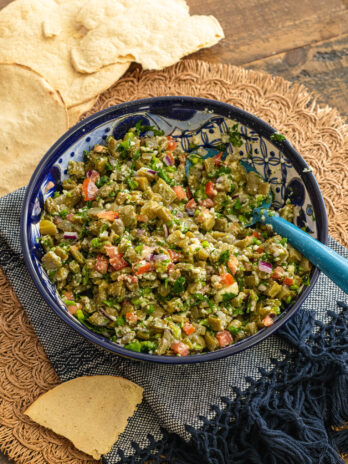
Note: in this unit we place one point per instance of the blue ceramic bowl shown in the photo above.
(183, 118)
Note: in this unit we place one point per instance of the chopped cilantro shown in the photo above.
(140, 128)
(111, 303)
(165, 176)
(234, 136)
(132, 183)
(63, 214)
(277, 137)
(227, 297)
(134, 346)
(224, 257)
(95, 242)
(120, 320)
(147, 346)
(179, 285)
(101, 181)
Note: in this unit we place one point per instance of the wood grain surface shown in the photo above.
(303, 41)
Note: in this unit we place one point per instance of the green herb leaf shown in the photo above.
(224, 257)
(227, 297)
(277, 137)
(165, 176)
(234, 136)
(179, 285)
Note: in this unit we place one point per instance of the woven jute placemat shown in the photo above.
(318, 133)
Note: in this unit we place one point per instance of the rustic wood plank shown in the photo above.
(257, 29)
(322, 68)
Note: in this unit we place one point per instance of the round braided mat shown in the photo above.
(318, 133)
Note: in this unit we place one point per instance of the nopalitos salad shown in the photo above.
(161, 262)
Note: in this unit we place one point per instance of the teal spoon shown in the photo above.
(330, 263)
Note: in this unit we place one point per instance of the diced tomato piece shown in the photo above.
(256, 234)
(111, 251)
(227, 279)
(131, 317)
(180, 348)
(217, 159)
(72, 309)
(108, 215)
(93, 175)
(116, 258)
(101, 264)
(233, 264)
(267, 321)
(89, 190)
(171, 143)
(191, 204)
(70, 216)
(69, 295)
(144, 268)
(118, 263)
(180, 192)
(278, 273)
(288, 281)
(209, 189)
(224, 338)
(188, 328)
(260, 250)
(142, 218)
(174, 256)
(207, 203)
(170, 157)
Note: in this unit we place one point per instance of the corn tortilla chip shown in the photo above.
(155, 35)
(32, 117)
(40, 35)
(75, 112)
(90, 411)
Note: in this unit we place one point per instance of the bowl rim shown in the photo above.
(224, 109)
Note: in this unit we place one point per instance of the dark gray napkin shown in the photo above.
(173, 395)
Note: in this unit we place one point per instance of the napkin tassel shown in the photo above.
(290, 415)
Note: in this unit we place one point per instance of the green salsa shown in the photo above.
(164, 263)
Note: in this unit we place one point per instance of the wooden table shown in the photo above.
(303, 41)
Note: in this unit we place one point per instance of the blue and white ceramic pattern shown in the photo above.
(190, 121)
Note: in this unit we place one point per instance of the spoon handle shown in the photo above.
(329, 262)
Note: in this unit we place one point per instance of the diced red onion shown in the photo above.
(151, 171)
(161, 257)
(108, 316)
(140, 232)
(147, 253)
(71, 235)
(235, 196)
(168, 161)
(190, 212)
(265, 267)
(166, 230)
(90, 173)
(179, 214)
(219, 180)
